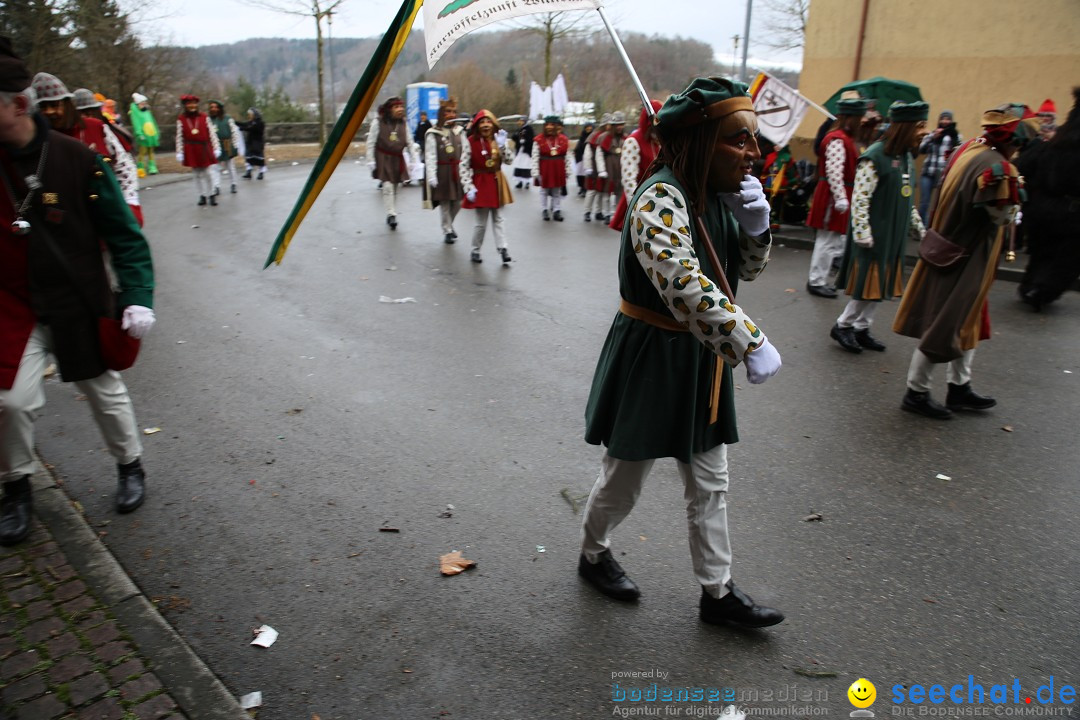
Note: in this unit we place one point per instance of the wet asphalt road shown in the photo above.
(299, 415)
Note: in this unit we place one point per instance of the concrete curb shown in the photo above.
(193, 686)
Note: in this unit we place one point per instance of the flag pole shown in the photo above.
(629, 65)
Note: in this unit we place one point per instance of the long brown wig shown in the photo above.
(688, 152)
(898, 137)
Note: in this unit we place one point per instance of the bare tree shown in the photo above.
(319, 10)
(553, 26)
(786, 24)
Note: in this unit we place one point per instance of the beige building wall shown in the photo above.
(965, 55)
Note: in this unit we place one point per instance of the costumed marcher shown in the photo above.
(254, 130)
(638, 152)
(486, 188)
(59, 108)
(608, 159)
(145, 129)
(92, 104)
(829, 213)
(388, 141)
(230, 141)
(442, 158)
(61, 214)
(197, 147)
(945, 302)
(1047, 114)
(937, 147)
(523, 139)
(883, 218)
(664, 385)
(592, 160)
(1052, 211)
(579, 157)
(780, 176)
(552, 167)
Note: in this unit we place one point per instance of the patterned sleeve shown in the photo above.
(917, 227)
(237, 138)
(834, 168)
(180, 142)
(631, 163)
(465, 167)
(431, 156)
(215, 144)
(754, 252)
(587, 159)
(569, 164)
(866, 181)
(662, 244)
(534, 170)
(124, 167)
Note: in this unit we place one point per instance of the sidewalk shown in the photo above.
(79, 640)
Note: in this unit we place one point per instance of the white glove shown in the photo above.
(180, 158)
(471, 195)
(1019, 217)
(371, 165)
(762, 362)
(842, 205)
(603, 174)
(137, 320)
(866, 242)
(433, 181)
(750, 207)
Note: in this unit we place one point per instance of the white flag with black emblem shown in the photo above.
(780, 108)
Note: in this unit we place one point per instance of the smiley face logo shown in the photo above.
(862, 693)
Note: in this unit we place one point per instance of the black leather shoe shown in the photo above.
(846, 338)
(391, 220)
(213, 200)
(247, 175)
(202, 200)
(868, 341)
(739, 608)
(607, 576)
(233, 188)
(962, 397)
(448, 239)
(15, 510)
(131, 486)
(505, 255)
(475, 257)
(923, 404)
(825, 291)
(453, 234)
(588, 216)
(599, 217)
(545, 215)
(557, 216)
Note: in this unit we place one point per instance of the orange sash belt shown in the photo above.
(651, 317)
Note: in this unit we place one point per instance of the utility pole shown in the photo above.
(330, 37)
(734, 54)
(746, 41)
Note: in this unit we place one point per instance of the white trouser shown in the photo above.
(705, 483)
(858, 314)
(551, 197)
(204, 184)
(480, 228)
(597, 201)
(226, 166)
(448, 210)
(921, 372)
(828, 246)
(19, 406)
(389, 197)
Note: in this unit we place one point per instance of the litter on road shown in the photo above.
(388, 299)
(251, 700)
(265, 636)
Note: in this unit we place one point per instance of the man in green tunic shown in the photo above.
(883, 217)
(663, 385)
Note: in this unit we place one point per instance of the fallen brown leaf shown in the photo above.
(453, 563)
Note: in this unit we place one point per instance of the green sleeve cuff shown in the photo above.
(115, 224)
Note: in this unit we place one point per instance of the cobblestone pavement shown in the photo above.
(63, 654)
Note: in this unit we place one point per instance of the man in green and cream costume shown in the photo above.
(883, 217)
(663, 385)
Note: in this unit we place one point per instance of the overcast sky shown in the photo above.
(208, 22)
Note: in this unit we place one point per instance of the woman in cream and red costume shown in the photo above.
(638, 152)
(486, 189)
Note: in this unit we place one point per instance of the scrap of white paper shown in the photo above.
(388, 299)
(251, 700)
(943, 477)
(266, 636)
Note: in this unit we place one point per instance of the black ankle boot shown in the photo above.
(131, 486)
(923, 404)
(737, 607)
(846, 338)
(15, 510)
(962, 397)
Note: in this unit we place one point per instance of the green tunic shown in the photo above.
(651, 389)
(876, 273)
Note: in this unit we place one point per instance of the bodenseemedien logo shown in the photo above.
(862, 695)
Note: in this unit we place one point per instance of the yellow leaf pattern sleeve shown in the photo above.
(660, 233)
(754, 252)
(866, 182)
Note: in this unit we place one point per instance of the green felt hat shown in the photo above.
(554, 119)
(908, 112)
(852, 106)
(708, 98)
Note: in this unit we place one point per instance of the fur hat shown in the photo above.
(49, 88)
